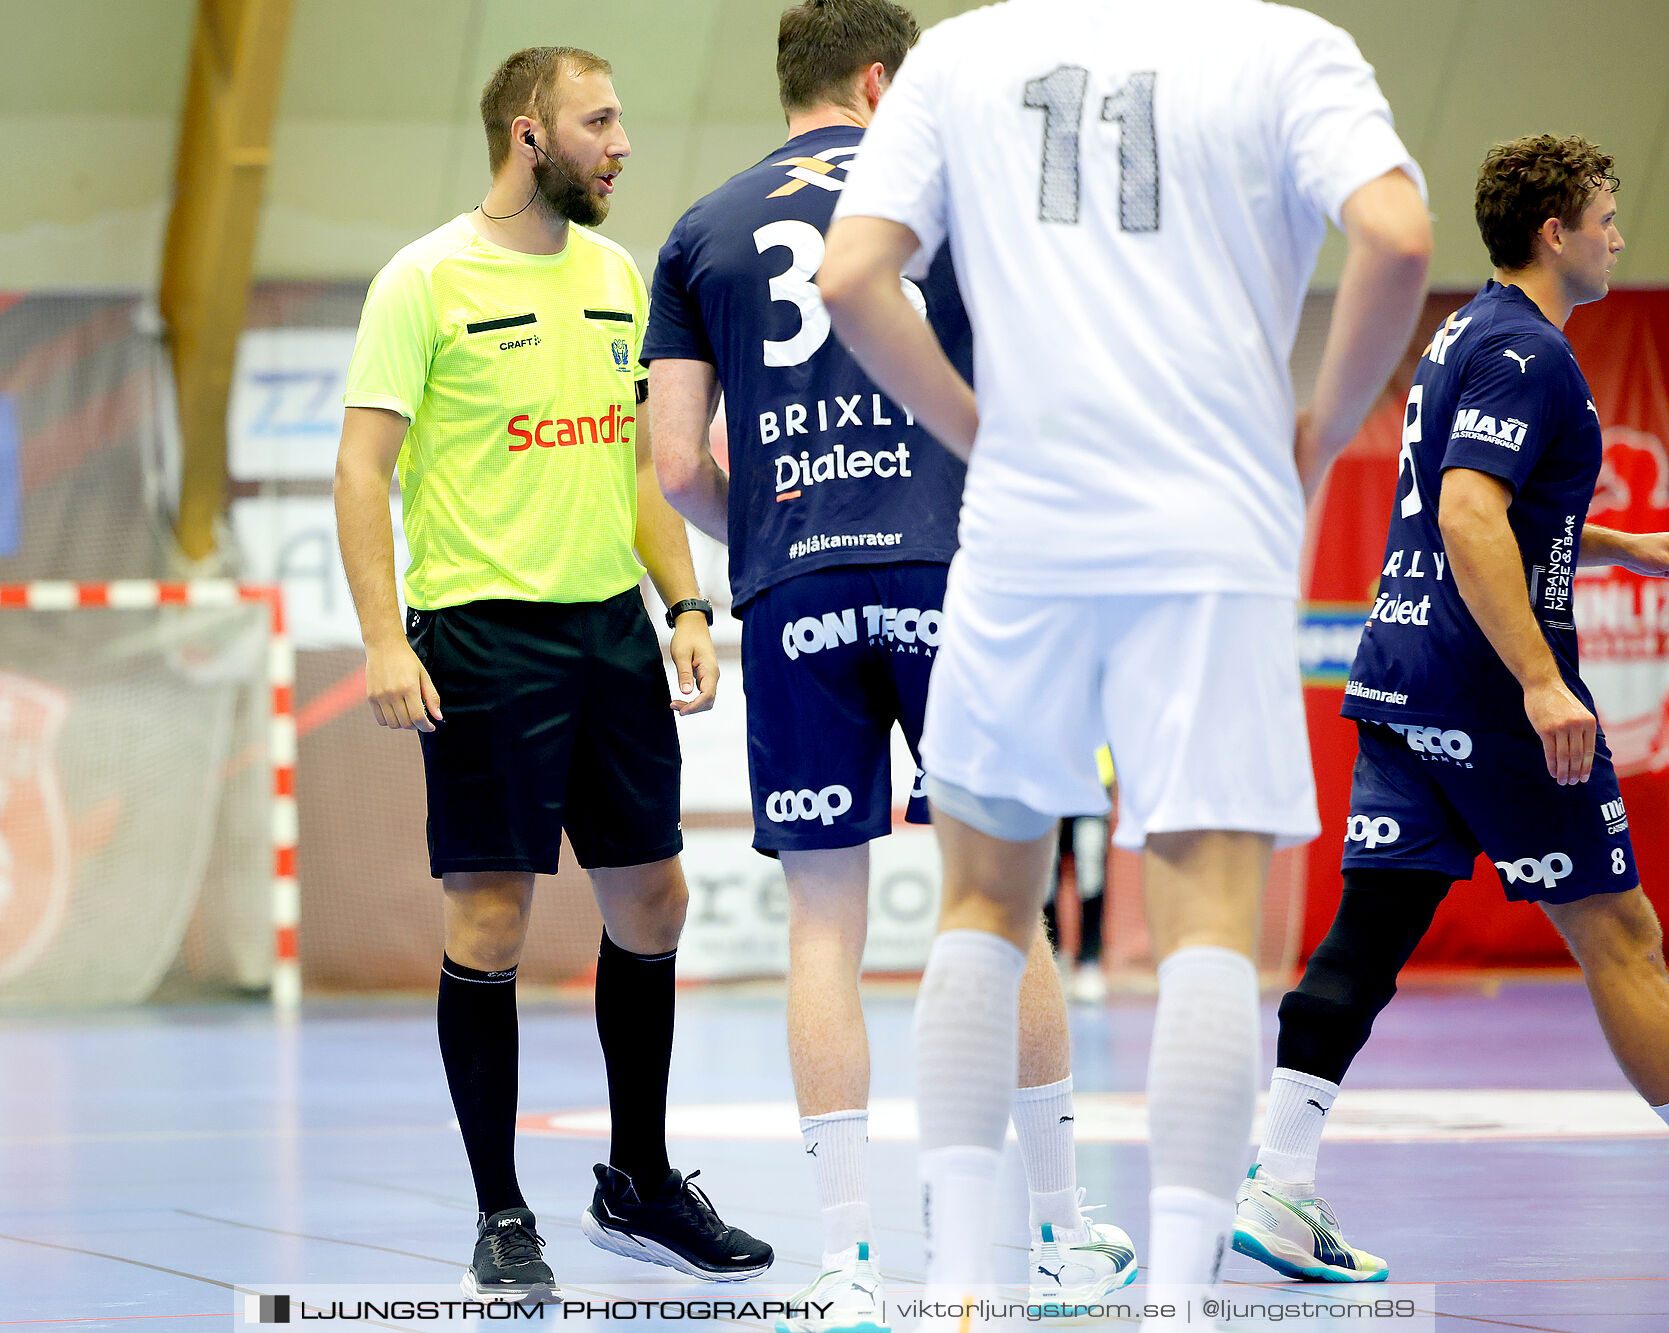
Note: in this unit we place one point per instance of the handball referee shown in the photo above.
(497, 364)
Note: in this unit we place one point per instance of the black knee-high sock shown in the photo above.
(477, 1021)
(635, 1000)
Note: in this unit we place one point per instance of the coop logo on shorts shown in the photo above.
(1615, 817)
(1546, 872)
(1456, 745)
(791, 807)
(1373, 830)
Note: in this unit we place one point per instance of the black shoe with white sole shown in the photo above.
(675, 1226)
(508, 1264)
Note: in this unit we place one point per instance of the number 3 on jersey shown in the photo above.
(796, 285)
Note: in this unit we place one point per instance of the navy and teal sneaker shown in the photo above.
(846, 1297)
(1297, 1236)
(1071, 1270)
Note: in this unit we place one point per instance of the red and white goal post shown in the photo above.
(227, 658)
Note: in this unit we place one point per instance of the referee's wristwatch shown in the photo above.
(677, 609)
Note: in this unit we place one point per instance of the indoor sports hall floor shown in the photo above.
(155, 1160)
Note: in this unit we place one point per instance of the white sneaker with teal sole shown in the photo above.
(1071, 1270)
(1297, 1237)
(850, 1287)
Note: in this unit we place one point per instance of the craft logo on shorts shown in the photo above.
(1546, 872)
(622, 354)
(36, 874)
(1372, 831)
(1435, 742)
(788, 807)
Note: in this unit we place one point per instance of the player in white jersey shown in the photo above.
(1134, 196)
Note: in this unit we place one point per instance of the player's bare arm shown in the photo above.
(860, 284)
(397, 687)
(664, 547)
(683, 398)
(1489, 571)
(1639, 552)
(1381, 290)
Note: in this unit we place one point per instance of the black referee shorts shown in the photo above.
(558, 718)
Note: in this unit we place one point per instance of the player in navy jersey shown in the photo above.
(840, 514)
(1476, 731)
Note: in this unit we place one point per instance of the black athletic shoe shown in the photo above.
(507, 1264)
(676, 1227)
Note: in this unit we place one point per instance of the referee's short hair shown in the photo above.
(529, 81)
(1523, 183)
(822, 44)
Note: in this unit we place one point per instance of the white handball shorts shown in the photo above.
(1198, 694)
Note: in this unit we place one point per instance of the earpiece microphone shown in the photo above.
(533, 143)
(569, 176)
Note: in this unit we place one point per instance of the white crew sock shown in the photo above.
(1296, 1115)
(1662, 1112)
(967, 1058)
(1201, 1089)
(1043, 1122)
(835, 1143)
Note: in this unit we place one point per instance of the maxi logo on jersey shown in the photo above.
(914, 629)
(1471, 424)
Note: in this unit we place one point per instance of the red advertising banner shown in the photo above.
(1622, 622)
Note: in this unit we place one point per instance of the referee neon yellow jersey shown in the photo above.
(517, 375)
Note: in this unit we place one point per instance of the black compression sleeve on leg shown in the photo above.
(1089, 930)
(636, 995)
(476, 1016)
(1383, 915)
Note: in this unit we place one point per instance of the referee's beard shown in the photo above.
(565, 188)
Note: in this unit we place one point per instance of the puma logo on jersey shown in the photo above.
(1523, 361)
